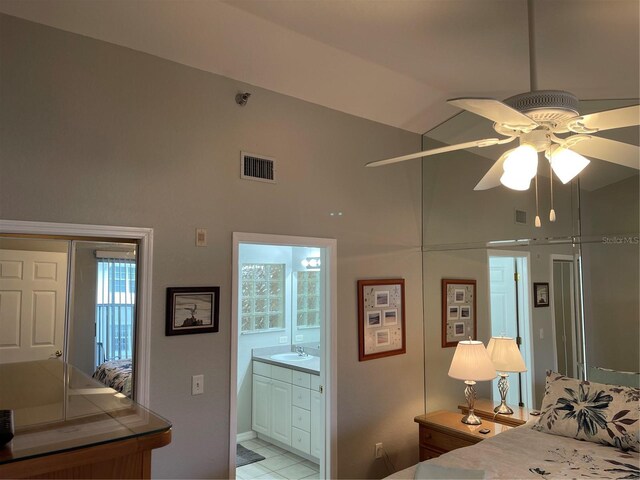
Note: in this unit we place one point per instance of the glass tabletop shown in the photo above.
(56, 408)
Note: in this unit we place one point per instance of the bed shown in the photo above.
(116, 374)
(585, 430)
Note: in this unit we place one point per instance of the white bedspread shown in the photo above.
(526, 453)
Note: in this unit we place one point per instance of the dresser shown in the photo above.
(68, 425)
(442, 431)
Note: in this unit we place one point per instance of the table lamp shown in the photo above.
(471, 363)
(506, 357)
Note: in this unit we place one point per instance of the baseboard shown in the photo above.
(243, 437)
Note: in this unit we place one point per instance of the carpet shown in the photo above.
(244, 456)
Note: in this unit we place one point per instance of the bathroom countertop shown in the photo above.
(310, 366)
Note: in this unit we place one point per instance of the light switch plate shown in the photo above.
(197, 385)
(201, 237)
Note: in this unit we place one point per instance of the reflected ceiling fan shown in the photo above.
(538, 119)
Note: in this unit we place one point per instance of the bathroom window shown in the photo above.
(308, 299)
(262, 297)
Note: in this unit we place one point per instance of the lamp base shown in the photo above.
(503, 388)
(471, 419)
(503, 409)
(470, 394)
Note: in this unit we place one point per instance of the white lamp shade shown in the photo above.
(472, 362)
(567, 164)
(505, 355)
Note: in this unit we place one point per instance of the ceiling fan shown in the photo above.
(539, 119)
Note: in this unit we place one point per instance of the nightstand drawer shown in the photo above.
(440, 441)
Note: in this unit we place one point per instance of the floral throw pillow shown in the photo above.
(589, 411)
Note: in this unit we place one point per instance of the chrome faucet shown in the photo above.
(300, 351)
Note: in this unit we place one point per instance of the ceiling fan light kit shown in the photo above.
(536, 118)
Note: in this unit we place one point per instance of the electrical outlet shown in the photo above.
(284, 339)
(299, 338)
(378, 451)
(197, 385)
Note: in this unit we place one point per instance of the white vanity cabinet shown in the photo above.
(271, 401)
(287, 407)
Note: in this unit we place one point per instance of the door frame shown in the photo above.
(144, 237)
(572, 259)
(527, 256)
(328, 360)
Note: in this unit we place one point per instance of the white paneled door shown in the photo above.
(32, 304)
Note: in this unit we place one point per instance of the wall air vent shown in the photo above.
(521, 217)
(257, 167)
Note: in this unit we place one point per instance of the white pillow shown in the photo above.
(589, 411)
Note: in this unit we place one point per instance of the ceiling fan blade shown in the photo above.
(491, 179)
(606, 120)
(609, 150)
(494, 110)
(450, 148)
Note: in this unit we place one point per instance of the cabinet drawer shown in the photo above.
(263, 369)
(301, 397)
(282, 374)
(301, 418)
(300, 440)
(301, 379)
(436, 441)
(315, 383)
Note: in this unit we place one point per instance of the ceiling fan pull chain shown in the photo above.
(538, 224)
(552, 212)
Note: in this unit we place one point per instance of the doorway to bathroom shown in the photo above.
(282, 415)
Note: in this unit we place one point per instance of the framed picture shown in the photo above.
(192, 310)
(381, 324)
(540, 294)
(458, 311)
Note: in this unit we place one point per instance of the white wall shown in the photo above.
(95, 133)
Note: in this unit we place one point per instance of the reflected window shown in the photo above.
(115, 308)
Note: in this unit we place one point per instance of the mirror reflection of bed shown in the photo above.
(84, 288)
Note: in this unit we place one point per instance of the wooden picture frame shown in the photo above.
(192, 310)
(541, 295)
(459, 312)
(381, 319)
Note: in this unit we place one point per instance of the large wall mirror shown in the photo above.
(589, 257)
(78, 294)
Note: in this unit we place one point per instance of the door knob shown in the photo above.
(58, 353)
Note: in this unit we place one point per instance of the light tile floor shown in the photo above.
(277, 463)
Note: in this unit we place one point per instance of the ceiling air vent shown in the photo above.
(257, 167)
(521, 217)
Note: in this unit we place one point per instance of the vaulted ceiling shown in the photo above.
(391, 61)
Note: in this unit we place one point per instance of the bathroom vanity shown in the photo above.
(68, 425)
(287, 403)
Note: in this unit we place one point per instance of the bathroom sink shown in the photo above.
(291, 357)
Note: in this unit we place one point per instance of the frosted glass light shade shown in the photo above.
(567, 164)
(520, 166)
(514, 181)
(471, 362)
(505, 355)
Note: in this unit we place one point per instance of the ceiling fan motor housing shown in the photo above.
(545, 106)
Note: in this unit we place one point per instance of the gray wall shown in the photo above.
(99, 134)
(612, 298)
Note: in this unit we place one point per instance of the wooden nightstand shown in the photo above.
(442, 431)
(483, 408)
